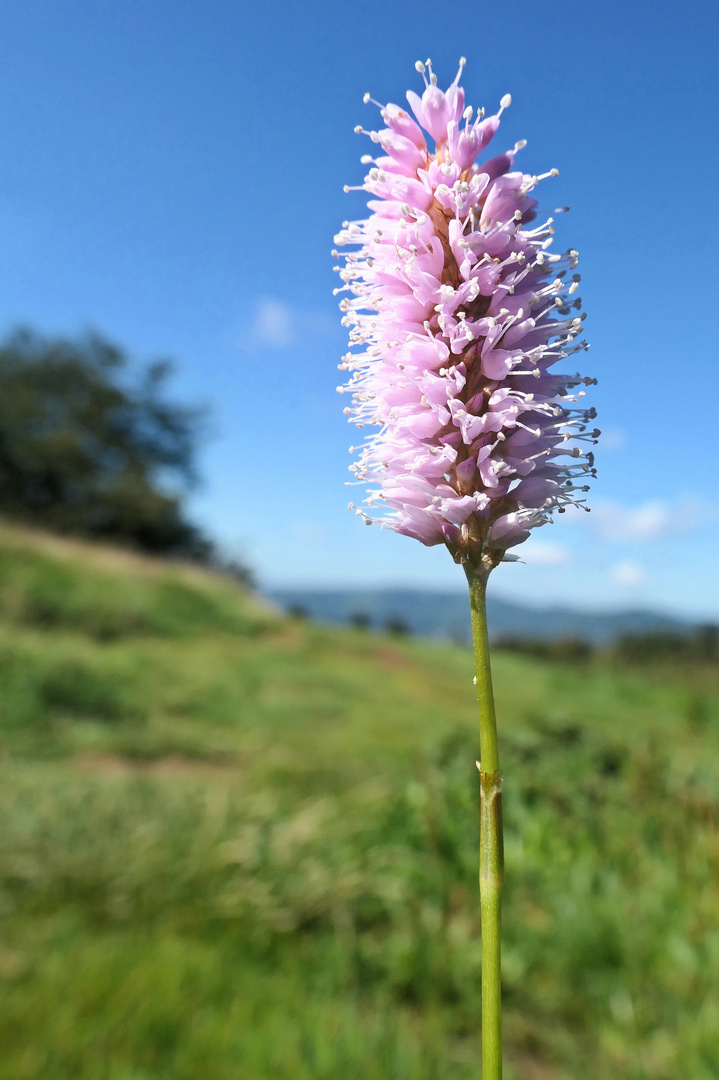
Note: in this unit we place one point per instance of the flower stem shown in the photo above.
(491, 846)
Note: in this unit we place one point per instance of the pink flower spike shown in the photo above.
(458, 311)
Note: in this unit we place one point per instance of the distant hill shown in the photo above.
(437, 614)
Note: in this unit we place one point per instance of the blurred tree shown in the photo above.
(708, 642)
(700, 645)
(565, 650)
(85, 448)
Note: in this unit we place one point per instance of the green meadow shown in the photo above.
(236, 846)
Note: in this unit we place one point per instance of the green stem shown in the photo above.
(491, 847)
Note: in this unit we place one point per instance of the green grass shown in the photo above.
(237, 846)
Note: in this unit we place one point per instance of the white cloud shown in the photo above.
(276, 324)
(308, 532)
(651, 520)
(628, 574)
(273, 323)
(645, 522)
(545, 553)
(613, 439)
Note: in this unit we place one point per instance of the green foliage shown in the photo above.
(233, 845)
(701, 646)
(565, 650)
(85, 450)
(397, 626)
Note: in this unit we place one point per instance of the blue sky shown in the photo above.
(172, 175)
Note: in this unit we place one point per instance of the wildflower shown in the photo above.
(458, 312)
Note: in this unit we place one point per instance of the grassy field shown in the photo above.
(239, 847)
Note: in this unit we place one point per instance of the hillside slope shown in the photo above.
(234, 845)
